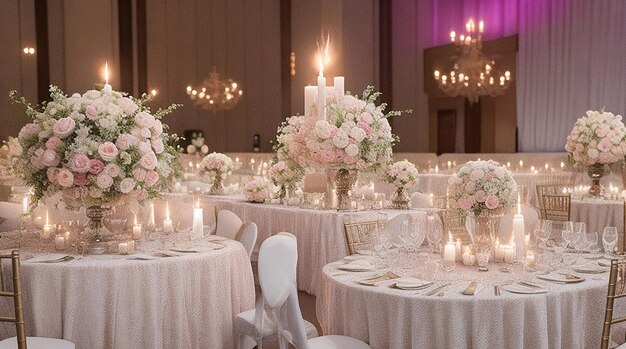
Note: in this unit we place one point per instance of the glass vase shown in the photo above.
(595, 172)
(483, 228)
(400, 199)
(95, 232)
(217, 188)
(342, 180)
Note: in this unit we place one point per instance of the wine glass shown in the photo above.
(568, 236)
(579, 235)
(434, 234)
(568, 225)
(543, 231)
(592, 240)
(405, 235)
(609, 239)
(418, 234)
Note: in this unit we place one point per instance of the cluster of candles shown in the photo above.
(611, 193)
(450, 165)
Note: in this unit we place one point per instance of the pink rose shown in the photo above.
(492, 202)
(53, 143)
(95, 166)
(29, 130)
(63, 127)
(80, 163)
(144, 119)
(112, 170)
(480, 196)
(124, 141)
(80, 179)
(326, 156)
(151, 178)
(50, 158)
(104, 181)
(65, 178)
(148, 161)
(126, 185)
(140, 194)
(91, 112)
(157, 128)
(157, 145)
(108, 151)
(52, 173)
(139, 174)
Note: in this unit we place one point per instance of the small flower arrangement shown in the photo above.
(257, 190)
(597, 138)
(355, 135)
(482, 185)
(281, 173)
(100, 148)
(401, 174)
(9, 153)
(217, 163)
(197, 144)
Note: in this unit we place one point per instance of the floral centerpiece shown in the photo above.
(402, 174)
(97, 150)
(355, 136)
(197, 145)
(597, 139)
(257, 190)
(9, 153)
(483, 191)
(217, 165)
(285, 175)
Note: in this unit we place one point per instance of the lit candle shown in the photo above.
(452, 36)
(25, 201)
(123, 248)
(499, 252)
(198, 221)
(449, 164)
(521, 164)
(59, 242)
(151, 221)
(136, 230)
(546, 166)
(437, 169)
(432, 201)
(47, 228)
(509, 253)
(321, 90)
(481, 26)
(107, 88)
(449, 253)
(167, 222)
(508, 164)
(519, 230)
(562, 165)
(339, 86)
(309, 98)
(530, 260)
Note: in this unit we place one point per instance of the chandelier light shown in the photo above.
(215, 94)
(473, 74)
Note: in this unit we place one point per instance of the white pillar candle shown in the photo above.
(519, 233)
(25, 201)
(137, 231)
(59, 242)
(339, 86)
(310, 92)
(509, 253)
(123, 248)
(449, 255)
(167, 222)
(321, 97)
(458, 250)
(530, 261)
(47, 228)
(198, 222)
(151, 221)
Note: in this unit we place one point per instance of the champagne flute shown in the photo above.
(609, 239)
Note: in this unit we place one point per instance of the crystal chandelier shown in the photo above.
(215, 94)
(473, 74)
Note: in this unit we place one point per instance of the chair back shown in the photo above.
(554, 202)
(228, 224)
(454, 223)
(247, 236)
(278, 259)
(617, 282)
(16, 294)
(421, 200)
(359, 235)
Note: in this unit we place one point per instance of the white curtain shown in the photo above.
(571, 58)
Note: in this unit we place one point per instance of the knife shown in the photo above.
(436, 289)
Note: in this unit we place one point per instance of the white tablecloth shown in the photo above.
(598, 214)
(569, 316)
(108, 301)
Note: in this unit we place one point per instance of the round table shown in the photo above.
(598, 214)
(115, 301)
(568, 316)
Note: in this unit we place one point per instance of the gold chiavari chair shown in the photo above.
(359, 235)
(617, 283)
(16, 294)
(554, 204)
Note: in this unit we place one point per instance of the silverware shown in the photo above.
(58, 260)
(496, 290)
(436, 289)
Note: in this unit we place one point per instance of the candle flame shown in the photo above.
(106, 73)
(323, 54)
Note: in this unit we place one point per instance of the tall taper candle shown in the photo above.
(309, 98)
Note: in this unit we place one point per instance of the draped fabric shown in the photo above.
(571, 58)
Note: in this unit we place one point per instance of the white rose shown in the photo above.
(352, 150)
(323, 129)
(126, 185)
(104, 181)
(112, 170)
(341, 139)
(358, 134)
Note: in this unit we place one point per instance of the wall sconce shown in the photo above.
(29, 50)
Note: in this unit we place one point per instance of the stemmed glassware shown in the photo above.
(609, 239)
(592, 240)
(434, 233)
(542, 231)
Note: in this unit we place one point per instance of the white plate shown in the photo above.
(515, 288)
(604, 262)
(357, 267)
(411, 283)
(589, 269)
(356, 257)
(364, 252)
(559, 278)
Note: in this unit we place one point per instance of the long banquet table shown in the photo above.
(568, 316)
(114, 301)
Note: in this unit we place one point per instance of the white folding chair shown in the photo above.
(247, 236)
(21, 341)
(278, 259)
(228, 224)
